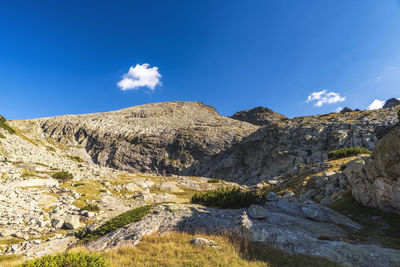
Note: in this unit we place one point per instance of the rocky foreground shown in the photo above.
(164, 153)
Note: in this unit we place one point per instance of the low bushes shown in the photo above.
(113, 224)
(226, 197)
(347, 152)
(63, 176)
(68, 259)
(213, 181)
(91, 207)
(5, 126)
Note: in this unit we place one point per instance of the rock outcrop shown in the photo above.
(280, 148)
(259, 116)
(291, 226)
(392, 103)
(375, 181)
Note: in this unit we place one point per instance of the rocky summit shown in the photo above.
(322, 188)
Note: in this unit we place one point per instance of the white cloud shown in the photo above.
(140, 76)
(376, 104)
(324, 97)
(339, 109)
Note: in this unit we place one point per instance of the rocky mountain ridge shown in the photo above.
(190, 138)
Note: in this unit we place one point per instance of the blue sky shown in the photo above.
(67, 57)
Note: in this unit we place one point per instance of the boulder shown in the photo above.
(201, 242)
(257, 212)
(71, 222)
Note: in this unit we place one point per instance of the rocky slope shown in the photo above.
(162, 138)
(375, 181)
(190, 138)
(281, 148)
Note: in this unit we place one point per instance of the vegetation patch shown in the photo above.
(5, 126)
(213, 181)
(121, 220)
(2, 136)
(348, 152)
(226, 197)
(91, 207)
(63, 176)
(76, 159)
(175, 249)
(68, 259)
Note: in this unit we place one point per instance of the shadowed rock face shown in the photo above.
(160, 138)
(376, 181)
(392, 103)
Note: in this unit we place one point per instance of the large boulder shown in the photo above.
(375, 181)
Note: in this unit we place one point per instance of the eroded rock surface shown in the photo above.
(375, 181)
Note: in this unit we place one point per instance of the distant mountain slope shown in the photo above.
(157, 138)
(259, 116)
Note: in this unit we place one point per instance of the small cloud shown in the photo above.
(140, 76)
(376, 104)
(339, 109)
(324, 97)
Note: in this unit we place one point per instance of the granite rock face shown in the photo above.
(375, 181)
(162, 138)
(280, 148)
(288, 226)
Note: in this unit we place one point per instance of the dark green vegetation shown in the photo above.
(91, 207)
(347, 152)
(226, 197)
(5, 126)
(2, 136)
(115, 223)
(76, 159)
(68, 260)
(378, 225)
(63, 176)
(213, 181)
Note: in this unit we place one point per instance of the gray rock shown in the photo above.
(71, 222)
(272, 197)
(200, 242)
(257, 212)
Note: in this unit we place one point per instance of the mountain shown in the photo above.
(259, 116)
(104, 181)
(162, 138)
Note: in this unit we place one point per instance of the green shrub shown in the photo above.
(68, 260)
(5, 126)
(226, 197)
(103, 190)
(63, 176)
(347, 152)
(213, 181)
(91, 207)
(2, 136)
(78, 184)
(121, 220)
